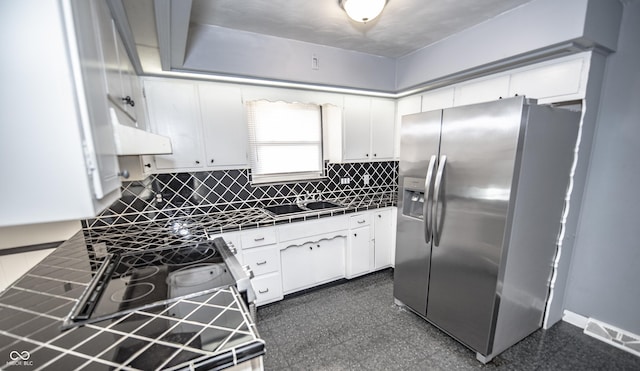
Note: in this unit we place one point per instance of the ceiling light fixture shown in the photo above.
(363, 10)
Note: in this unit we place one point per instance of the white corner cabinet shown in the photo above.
(368, 128)
(205, 121)
(57, 140)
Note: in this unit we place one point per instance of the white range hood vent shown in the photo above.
(133, 141)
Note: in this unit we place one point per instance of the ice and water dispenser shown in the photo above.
(413, 197)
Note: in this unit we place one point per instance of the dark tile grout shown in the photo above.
(356, 326)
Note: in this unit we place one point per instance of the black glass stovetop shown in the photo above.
(131, 281)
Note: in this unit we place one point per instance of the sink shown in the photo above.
(319, 205)
(284, 209)
(306, 207)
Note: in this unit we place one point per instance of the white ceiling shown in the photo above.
(403, 27)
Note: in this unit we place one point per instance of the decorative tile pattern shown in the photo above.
(166, 196)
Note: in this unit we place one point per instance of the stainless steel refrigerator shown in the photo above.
(481, 197)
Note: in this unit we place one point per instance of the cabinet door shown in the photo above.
(224, 125)
(437, 99)
(173, 111)
(357, 135)
(297, 267)
(382, 128)
(554, 80)
(383, 238)
(96, 121)
(328, 259)
(126, 75)
(482, 91)
(359, 252)
(109, 52)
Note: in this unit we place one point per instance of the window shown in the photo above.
(285, 141)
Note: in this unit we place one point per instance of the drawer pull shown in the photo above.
(259, 239)
(261, 263)
(263, 291)
(361, 221)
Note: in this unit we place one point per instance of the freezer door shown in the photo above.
(480, 143)
(420, 140)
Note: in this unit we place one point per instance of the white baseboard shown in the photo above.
(574, 319)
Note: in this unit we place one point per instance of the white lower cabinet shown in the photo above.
(260, 252)
(292, 257)
(312, 262)
(383, 238)
(360, 253)
(268, 288)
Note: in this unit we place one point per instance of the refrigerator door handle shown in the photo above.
(436, 200)
(426, 212)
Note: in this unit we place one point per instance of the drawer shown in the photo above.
(268, 288)
(258, 237)
(359, 220)
(232, 240)
(262, 260)
(309, 228)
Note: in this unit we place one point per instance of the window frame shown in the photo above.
(284, 177)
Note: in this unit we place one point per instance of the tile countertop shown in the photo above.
(210, 330)
(164, 337)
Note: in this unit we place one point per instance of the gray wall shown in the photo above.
(604, 278)
(537, 30)
(226, 51)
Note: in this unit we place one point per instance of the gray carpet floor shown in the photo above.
(356, 326)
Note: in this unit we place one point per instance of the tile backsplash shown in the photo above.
(163, 196)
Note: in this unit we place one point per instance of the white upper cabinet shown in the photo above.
(205, 121)
(123, 85)
(383, 112)
(357, 128)
(224, 125)
(557, 81)
(60, 152)
(437, 99)
(481, 91)
(174, 112)
(369, 125)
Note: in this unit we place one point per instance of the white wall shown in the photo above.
(33, 234)
(604, 275)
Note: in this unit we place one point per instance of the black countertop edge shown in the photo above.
(230, 358)
(30, 248)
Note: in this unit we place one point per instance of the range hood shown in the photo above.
(133, 141)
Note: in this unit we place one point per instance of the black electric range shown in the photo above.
(145, 279)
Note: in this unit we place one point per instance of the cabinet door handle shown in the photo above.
(263, 291)
(259, 239)
(367, 155)
(197, 162)
(212, 161)
(147, 165)
(318, 246)
(361, 221)
(355, 235)
(375, 155)
(261, 263)
(310, 247)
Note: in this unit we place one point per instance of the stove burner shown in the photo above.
(132, 292)
(140, 260)
(188, 256)
(139, 274)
